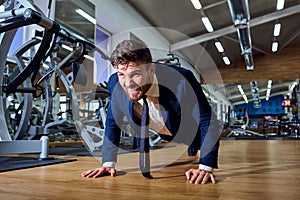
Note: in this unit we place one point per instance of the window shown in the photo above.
(102, 41)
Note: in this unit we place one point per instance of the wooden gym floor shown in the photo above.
(248, 169)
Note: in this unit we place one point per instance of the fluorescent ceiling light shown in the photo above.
(268, 90)
(268, 94)
(89, 57)
(269, 83)
(219, 47)
(293, 85)
(86, 16)
(274, 46)
(2, 9)
(241, 89)
(245, 98)
(277, 29)
(243, 93)
(207, 24)
(205, 93)
(213, 100)
(196, 4)
(66, 47)
(280, 4)
(226, 60)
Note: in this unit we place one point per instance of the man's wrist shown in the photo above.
(205, 168)
(109, 164)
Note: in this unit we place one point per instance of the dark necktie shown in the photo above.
(144, 142)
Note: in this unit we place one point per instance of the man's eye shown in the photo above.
(136, 74)
(121, 76)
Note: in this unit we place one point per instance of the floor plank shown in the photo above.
(248, 169)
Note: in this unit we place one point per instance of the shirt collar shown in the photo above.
(154, 89)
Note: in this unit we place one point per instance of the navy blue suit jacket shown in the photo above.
(186, 112)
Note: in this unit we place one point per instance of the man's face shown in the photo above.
(135, 78)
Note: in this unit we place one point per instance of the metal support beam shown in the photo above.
(254, 47)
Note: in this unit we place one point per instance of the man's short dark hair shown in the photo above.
(130, 51)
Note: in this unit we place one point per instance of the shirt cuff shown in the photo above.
(109, 164)
(205, 168)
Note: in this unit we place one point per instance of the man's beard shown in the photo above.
(140, 90)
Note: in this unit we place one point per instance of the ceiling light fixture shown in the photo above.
(196, 4)
(240, 89)
(245, 98)
(89, 57)
(269, 83)
(274, 46)
(226, 60)
(207, 24)
(219, 47)
(205, 93)
(268, 90)
(242, 93)
(66, 47)
(268, 94)
(280, 4)
(2, 9)
(277, 29)
(86, 16)
(293, 85)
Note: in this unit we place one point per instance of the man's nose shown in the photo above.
(128, 81)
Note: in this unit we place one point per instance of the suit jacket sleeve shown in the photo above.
(112, 130)
(209, 128)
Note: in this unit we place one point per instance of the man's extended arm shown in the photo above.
(209, 127)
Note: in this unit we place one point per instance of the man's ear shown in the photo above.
(152, 68)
